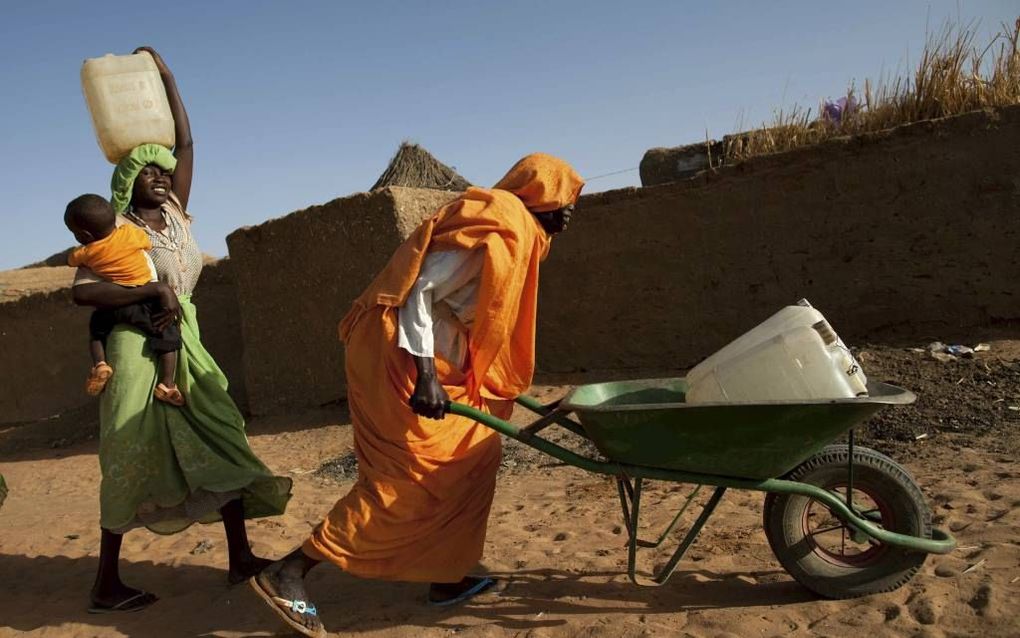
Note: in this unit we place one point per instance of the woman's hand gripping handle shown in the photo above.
(429, 399)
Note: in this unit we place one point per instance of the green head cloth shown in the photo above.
(128, 169)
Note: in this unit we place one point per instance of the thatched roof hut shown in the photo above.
(415, 167)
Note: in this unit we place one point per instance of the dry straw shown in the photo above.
(415, 167)
(953, 76)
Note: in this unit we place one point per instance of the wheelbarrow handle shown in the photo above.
(941, 542)
(542, 445)
(486, 419)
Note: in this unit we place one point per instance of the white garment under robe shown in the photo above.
(447, 285)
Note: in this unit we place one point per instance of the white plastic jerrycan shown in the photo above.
(793, 355)
(128, 103)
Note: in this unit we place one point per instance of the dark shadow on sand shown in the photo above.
(195, 600)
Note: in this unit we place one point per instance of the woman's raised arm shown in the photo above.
(183, 147)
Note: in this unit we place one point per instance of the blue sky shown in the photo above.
(296, 103)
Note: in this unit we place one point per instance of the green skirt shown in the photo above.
(166, 467)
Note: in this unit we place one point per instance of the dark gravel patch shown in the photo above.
(976, 399)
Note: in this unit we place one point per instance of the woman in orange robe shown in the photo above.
(450, 318)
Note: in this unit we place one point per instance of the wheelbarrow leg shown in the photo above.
(630, 501)
(706, 513)
(632, 518)
(626, 491)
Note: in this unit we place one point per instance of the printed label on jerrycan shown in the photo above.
(131, 94)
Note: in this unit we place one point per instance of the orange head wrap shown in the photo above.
(542, 182)
(424, 492)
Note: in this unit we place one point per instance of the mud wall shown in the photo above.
(219, 319)
(907, 232)
(911, 230)
(297, 277)
(44, 341)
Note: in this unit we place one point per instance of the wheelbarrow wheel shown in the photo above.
(827, 556)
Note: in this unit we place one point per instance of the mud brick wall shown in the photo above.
(219, 320)
(44, 341)
(912, 230)
(297, 277)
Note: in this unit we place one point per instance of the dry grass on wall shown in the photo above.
(953, 76)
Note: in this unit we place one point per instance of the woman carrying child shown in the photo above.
(166, 467)
(119, 253)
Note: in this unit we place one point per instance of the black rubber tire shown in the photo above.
(877, 475)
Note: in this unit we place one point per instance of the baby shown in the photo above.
(117, 253)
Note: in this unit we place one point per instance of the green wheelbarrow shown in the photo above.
(843, 520)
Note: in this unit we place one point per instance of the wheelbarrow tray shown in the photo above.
(645, 431)
(646, 422)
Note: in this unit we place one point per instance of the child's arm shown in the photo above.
(183, 149)
(78, 256)
(103, 294)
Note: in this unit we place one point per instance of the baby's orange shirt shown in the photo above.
(119, 257)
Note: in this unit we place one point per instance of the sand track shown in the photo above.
(555, 539)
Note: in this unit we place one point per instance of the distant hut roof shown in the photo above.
(415, 167)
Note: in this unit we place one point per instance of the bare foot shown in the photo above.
(242, 570)
(284, 581)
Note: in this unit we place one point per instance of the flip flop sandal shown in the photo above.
(172, 396)
(98, 377)
(479, 587)
(138, 602)
(278, 605)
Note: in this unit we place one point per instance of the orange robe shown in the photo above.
(419, 509)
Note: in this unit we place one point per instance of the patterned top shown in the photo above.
(174, 252)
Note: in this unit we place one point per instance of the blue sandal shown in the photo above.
(482, 585)
(278, 605)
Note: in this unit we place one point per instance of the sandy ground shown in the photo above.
(555, 538)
